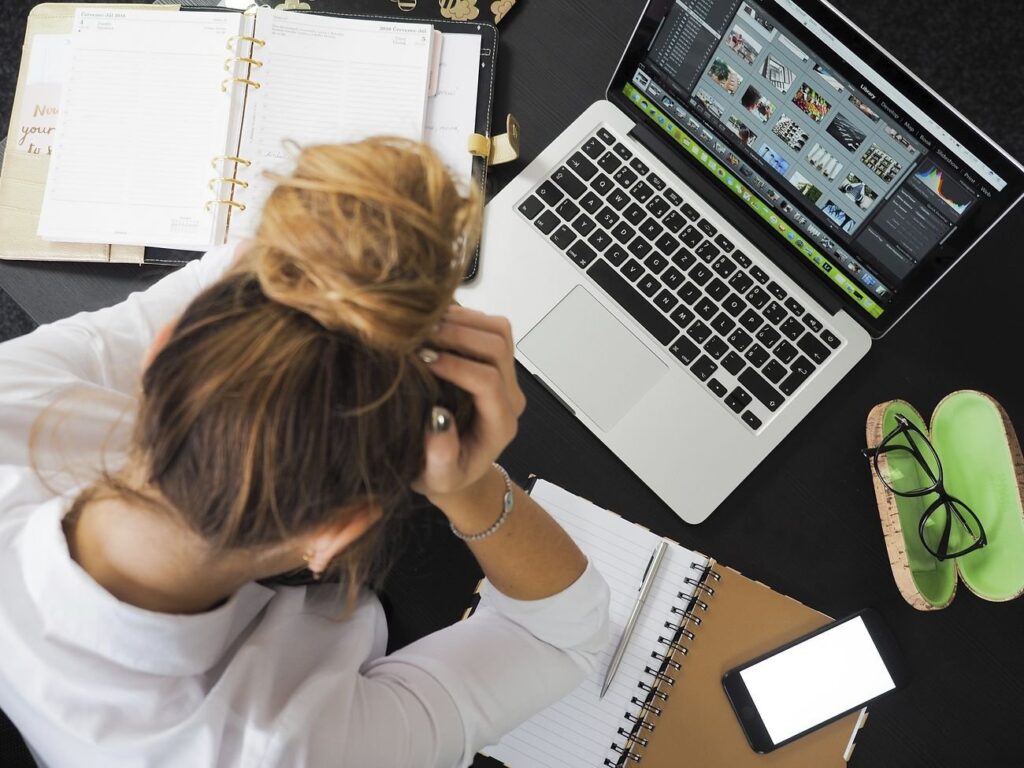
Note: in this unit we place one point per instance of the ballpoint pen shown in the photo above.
(645, 587)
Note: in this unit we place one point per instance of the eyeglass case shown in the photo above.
(983, 466)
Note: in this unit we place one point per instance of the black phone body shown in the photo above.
(814, 680)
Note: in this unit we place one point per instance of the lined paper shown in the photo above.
(451, 112)
(142, 116)
(579, 730)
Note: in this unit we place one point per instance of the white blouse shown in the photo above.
(270, 678)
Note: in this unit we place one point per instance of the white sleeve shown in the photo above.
(452, 693)
(96, 356)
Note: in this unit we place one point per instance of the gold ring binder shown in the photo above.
(249, 39)
(250, 61)
(232, 203)
(225, 180)
(230, 158)
(247, 81)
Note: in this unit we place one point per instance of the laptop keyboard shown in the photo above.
(715, 308)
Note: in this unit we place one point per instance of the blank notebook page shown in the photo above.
(579, 729)
(143, 115)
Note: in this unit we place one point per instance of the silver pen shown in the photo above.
(645, 587)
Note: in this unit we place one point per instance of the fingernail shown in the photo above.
(428, 356)
(440, 419)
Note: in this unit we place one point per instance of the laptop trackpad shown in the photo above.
(592, 357)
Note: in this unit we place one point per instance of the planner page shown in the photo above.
(326, 80)
(144, 113)
(579, 729)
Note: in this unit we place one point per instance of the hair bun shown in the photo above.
(370, 237)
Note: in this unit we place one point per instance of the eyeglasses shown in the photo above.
(911, 468)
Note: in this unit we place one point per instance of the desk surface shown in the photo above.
(805, 520)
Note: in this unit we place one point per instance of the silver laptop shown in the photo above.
(700, 257)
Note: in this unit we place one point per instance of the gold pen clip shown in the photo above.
(498, 149)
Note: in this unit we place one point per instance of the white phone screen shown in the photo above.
(817, 679)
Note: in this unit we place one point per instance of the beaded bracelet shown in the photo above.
(506, 509)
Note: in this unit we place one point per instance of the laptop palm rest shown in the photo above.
(594, 359)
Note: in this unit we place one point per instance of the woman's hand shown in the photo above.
(480, 361)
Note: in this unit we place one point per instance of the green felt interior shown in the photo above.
(969, 436)
(934, 579)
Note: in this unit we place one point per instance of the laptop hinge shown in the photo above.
(726, 204)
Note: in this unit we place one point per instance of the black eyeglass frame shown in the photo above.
(944, 498)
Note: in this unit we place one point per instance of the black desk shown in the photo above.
(805, 520)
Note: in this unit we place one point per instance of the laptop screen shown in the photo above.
(865, 177)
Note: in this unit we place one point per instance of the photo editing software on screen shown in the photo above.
(838, 169)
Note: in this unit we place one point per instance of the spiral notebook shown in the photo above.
(666, 706)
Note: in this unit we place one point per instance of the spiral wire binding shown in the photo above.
(653, 697)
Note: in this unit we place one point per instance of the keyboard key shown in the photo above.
(685, 350)
(785, 352)
(635, 214)
(708, 251)
(751, 320)
(666, 244)
(623, 232)
(717, 289)
(691, 236)
(775, 313)
(674, 222)
(605, 135)
(724, 267)
(700, 274)
(769, 396)
(717, 387)
(742, 259)
(622, 152)
(814, 349)
(802, 365)
(625, 177)
(812, 322)
(563, 237)
(776, 290)
(704, 367)
(673, 278)
(593, 147)
(831, 339)
(658, 207)
(591, 203)
(531, 206)
(757, 356)
(682, 316)
(792, 329)
(607, 218)
(673, 197)
(734, 305)
(707, 228)
(659, 326)
(617, 199)
(641, 191)
(609, 163)
(638, 165)
(568, 182)
(689, 292)
(738, 399)
(768, 336)
(656, 262)
(616, 255)
(759, 274)
(741, 282)
(639, 247)
(549, 193)
(758, 298)
(740, 339)
(715, 347)
(794, 306)
(684, 259)
(690, 212)
(601, 184)
(632, 269)
(792, 382)
(751, 420)
(698, 332)
(774, 371)
(599, 239)
(706, 308)
(546, 222)
(723, 324)
(733, 363)
(648, 285)
(582, 254)
(666, 300)
(567, 209)
(724, 243)
(584, 224)
(656, 182)
(579, 163)
(652, 229)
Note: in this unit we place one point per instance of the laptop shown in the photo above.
(700, 257)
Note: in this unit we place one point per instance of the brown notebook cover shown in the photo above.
(697, 725)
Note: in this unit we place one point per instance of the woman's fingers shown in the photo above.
(497, 409)
(442, 467)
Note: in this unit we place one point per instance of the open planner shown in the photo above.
(666, 706)
(170, 122)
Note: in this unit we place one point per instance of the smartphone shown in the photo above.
(814, 680)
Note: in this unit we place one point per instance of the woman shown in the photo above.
(291, 395)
